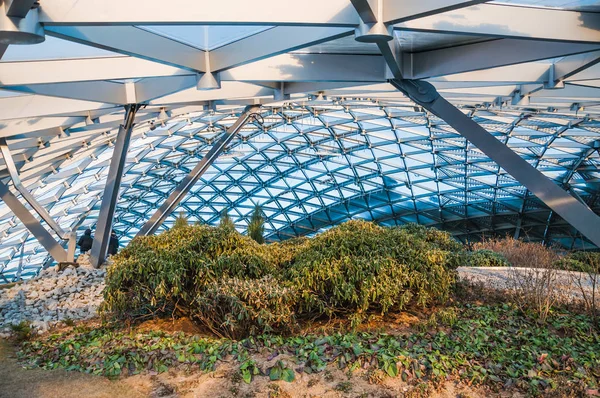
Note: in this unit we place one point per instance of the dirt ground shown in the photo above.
(17, 382)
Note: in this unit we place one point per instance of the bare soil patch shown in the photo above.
(17, 382)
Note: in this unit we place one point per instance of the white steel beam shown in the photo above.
(228, 90)
(134, 41)
(571, 66)
(368, 10)
(97, 91)
(512, 21)
(14, 175)
(155, 87)
(272, 42)
(36, 127)
(533, 72)
(398, 11)
(284, 67)
(489, 54)
(570, 92)
(111, 189)
(392, 58)
(243, 12)
(311, 67)
(31, 106)
(112, 92)
(81, 70)
(311, 87)
(590, 73)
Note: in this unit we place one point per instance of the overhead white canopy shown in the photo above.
(341, 136)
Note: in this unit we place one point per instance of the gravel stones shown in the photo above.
(53, 297)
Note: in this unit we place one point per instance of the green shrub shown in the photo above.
(487, 258)
(236, 308)
(441, 240)
(581, 261)
(359, 266)
(166, 272)
(201, 271)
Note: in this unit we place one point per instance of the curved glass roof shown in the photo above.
(314, 164)
(336, 142)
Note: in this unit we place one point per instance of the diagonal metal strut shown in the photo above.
(557, 199)
(111, 189)
(32, 224)
(39, 209)
(189, 180)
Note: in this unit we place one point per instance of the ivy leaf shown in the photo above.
(275, 373)
(391, 369)
(288, 375)
(246, 376)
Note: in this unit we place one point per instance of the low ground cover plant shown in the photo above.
(491, 344)
(349, 270)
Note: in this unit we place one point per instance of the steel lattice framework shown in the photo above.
(334, 139)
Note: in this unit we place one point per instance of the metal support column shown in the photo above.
(565, 205)
(14, 175)
(189, 180)
(518, 228)
(72, 246)
(111, 190)
(32, 224)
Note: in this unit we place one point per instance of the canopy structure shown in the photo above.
(107, 106)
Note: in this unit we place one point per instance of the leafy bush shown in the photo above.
(487, 258)
(359, 266)
(581, 261)
(165, 273)
(237, 308)
(440, 239)
(206, 272)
